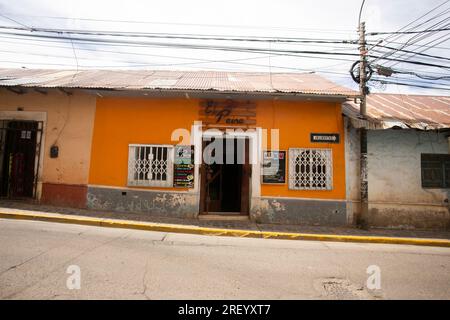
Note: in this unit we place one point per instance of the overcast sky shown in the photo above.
(325, 19)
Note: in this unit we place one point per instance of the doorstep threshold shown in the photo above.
(224, 216)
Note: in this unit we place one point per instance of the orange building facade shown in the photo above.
(308, 187)
(220, 144)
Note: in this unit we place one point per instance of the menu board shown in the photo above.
(274, 167)
(183, 173)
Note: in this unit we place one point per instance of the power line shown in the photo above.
(411, 85)
(24, 38)
(181, 45)
(425, 77)
(135, 64)
(179, 36)
(346, 31)
(395, 37)
(413, 52)
(417, 19)
(184, 57)
(246, 73)
(417, 45)
(408, 32)
(224, 48)
(199, 61)
(411, 41)
(417, 38)
(15, 21)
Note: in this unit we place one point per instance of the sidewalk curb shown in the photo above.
(189, 229)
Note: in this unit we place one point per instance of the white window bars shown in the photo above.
(310, 169)
(150, 165)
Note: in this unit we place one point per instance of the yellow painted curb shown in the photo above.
(149, 226)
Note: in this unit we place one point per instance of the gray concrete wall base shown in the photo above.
(409, 216)
(299, 211)
(169, 204)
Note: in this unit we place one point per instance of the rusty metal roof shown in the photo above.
(399, 110)
(244, 82)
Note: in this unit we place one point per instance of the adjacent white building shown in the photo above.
(408, 160)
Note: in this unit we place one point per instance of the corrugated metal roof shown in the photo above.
(257, 82)
(405, 111)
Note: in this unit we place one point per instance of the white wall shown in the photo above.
(396, 196)
(352, 148)
(394, 166)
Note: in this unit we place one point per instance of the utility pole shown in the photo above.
(362, 219)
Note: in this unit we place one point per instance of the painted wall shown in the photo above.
(295, 121)
(69, 124)
(396, 196)
(123, 121)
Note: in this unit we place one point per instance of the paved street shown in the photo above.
(130, 264)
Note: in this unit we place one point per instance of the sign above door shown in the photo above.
(228, 113)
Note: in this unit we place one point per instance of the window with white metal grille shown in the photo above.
(310, 169)
(150, 165)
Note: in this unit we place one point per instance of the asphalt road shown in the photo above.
(35, 258)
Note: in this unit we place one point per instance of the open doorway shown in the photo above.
(225, 181)
(19, 158)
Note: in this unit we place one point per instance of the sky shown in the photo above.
(324, 19)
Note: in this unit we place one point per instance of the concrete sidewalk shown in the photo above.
(20, 210)
(248, 225)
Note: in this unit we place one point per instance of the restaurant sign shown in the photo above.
(183, 173)
(228, 113)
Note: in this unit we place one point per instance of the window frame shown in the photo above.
(132, 182)
(443, 164)
(293, 153)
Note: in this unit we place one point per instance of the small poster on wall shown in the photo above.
(183, 173)
(274, 167)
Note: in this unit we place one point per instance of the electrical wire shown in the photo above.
(182, 45)
(240, 27)
(179, 36)
(408, 32)
(408, 43)
(15, 21)
(411, 85)
(413, 52)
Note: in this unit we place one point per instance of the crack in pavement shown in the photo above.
(23, 262)
(12, 295)
(38, 255)
(144, 283)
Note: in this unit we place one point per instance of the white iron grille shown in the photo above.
(150, 165)
(310, 169)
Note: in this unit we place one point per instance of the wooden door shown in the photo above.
(18, 172)
(210, 185)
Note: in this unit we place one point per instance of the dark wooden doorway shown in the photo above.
(19, 141)
(225, 183)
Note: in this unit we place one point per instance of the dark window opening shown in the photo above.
(435, 170)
